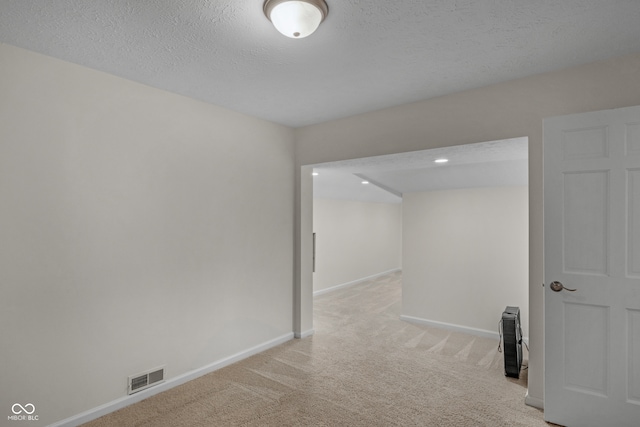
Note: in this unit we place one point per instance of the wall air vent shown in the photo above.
(145, 380)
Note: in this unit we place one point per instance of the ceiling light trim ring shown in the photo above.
(320, 4)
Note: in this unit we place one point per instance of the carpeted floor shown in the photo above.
(363, 367)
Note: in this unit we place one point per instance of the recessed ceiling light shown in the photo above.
(441, 160)
(315, 173)
(365, 182)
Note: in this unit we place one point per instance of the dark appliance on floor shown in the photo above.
(512, 341)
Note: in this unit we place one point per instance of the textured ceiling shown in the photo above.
(367, 55)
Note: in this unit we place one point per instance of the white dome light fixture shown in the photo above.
(296, 18)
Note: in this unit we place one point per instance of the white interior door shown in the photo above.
(592, 245)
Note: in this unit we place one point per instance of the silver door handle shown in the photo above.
(557, 287)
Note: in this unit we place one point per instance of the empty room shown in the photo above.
(157, 211)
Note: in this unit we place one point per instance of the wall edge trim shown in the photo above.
(354, 282)
(125, 401)
(304, 334)
(536, 402)
(443, 325)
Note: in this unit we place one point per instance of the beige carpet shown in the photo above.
(363, 367)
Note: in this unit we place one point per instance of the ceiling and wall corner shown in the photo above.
(364, 57)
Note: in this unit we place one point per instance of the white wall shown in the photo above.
(355, 240)
(139, 228)
(466, 256)
(505, 110)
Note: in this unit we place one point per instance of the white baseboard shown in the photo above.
(451, 326)
(353, 282)
(303, 334)
(125, 401)
(533, 401)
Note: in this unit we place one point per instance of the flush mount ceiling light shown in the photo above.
(441, 160)
(296, 18)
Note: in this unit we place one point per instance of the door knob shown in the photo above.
(557, 287)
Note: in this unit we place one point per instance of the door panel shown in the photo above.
(633, 320)
(585, 327)
(592, 245)
(633, 138)
(590, 143)
(633, 250)
(586, 220)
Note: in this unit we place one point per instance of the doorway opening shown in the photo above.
(457, 230)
